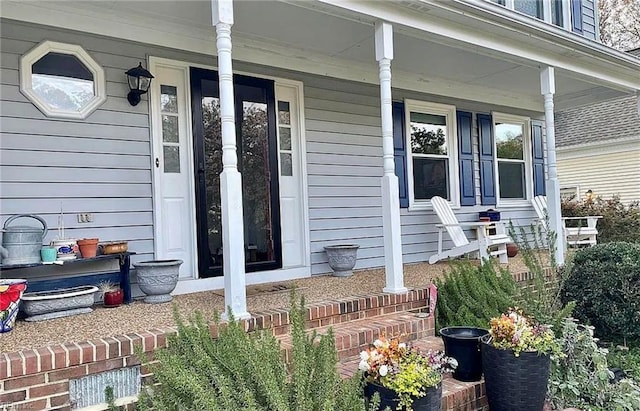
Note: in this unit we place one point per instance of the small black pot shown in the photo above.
(432, 401)
(463, 344)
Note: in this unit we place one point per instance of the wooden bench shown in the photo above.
(121, 277)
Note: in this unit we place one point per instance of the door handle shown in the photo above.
(157, 162)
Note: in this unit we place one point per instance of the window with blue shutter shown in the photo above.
(576, 16)
(400, 152)
(538, 158)
(487, 175)
(465, 158)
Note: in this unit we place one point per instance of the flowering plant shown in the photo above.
(398, 367)
(513, 330)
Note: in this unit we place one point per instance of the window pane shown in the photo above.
(530, 7)
(284, 112)
(168, 99)
(556, 12)
(171, 159)
(511, 177)
(62, 81)
(286, 166)
(169, 129)
(428, 133)
(285, 138)
(509, 141)
(430, 178)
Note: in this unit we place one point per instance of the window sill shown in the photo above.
(426, 206)
(513, 203)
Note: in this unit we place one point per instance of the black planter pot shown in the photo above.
(514, 383)
(388, 398)
(463, 344)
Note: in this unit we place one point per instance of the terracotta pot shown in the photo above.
(512, 250)
(88, 247)
(113, 298)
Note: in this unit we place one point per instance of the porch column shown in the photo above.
(548, 89)
(390, 191)
(235, 293)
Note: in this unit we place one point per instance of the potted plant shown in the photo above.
(342, 258)
(516, 362)
(404, 378)
(112, 294)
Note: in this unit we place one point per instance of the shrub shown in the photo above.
(471, 295)
(627, 361)
(605, 283)
(619, 222)
(247, 371)
(580, 376)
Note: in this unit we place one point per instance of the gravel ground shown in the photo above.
(106, 322)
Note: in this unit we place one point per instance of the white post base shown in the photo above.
(235, 292)
(392, 236)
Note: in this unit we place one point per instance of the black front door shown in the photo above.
(257, 161)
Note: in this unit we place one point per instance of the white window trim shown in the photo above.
(528, 167)
(26, 85)
(546, 12)
(449, 112)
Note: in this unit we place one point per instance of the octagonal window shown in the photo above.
(62, 80)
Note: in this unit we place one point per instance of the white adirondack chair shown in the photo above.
(575, 236)
(461, 244)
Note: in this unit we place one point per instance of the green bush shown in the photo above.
(628, 361)
(619, 222)
(604, 281)
(580, 377)
(471, 295)
(247, 371)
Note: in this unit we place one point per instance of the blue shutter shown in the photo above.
(465, 159)
(400, 152)
(487, 175)
(538, 159)
(576, 15)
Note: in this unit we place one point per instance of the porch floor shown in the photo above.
(138, 316)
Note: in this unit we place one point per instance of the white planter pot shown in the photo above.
(157, 279)
(342, 258)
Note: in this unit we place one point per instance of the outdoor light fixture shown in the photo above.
(139, 82)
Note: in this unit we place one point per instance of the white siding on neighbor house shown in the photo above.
(607, 172)
(102, 165)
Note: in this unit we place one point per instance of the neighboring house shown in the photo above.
(599, 148)
(317, 124)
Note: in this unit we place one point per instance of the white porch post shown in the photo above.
(390, 193)
(548, 89)
(235, 293)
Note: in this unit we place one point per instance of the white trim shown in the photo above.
(260, 277)
(526, 147)
(156, 130)
(46, 47)
(449, 112)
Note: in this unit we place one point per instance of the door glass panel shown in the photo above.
(285, 138)
(256, 175)
(168, 99)
(169, 128)
(171, 159)
(286, 165)
(257, 155)
(284, 116)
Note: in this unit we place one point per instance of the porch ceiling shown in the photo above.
(327, 39)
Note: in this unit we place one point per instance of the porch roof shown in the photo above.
(475, 50)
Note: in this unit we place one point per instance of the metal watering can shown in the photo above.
(22, 244)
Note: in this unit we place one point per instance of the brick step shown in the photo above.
(456, 395)
(339, 311)
(354, 336)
